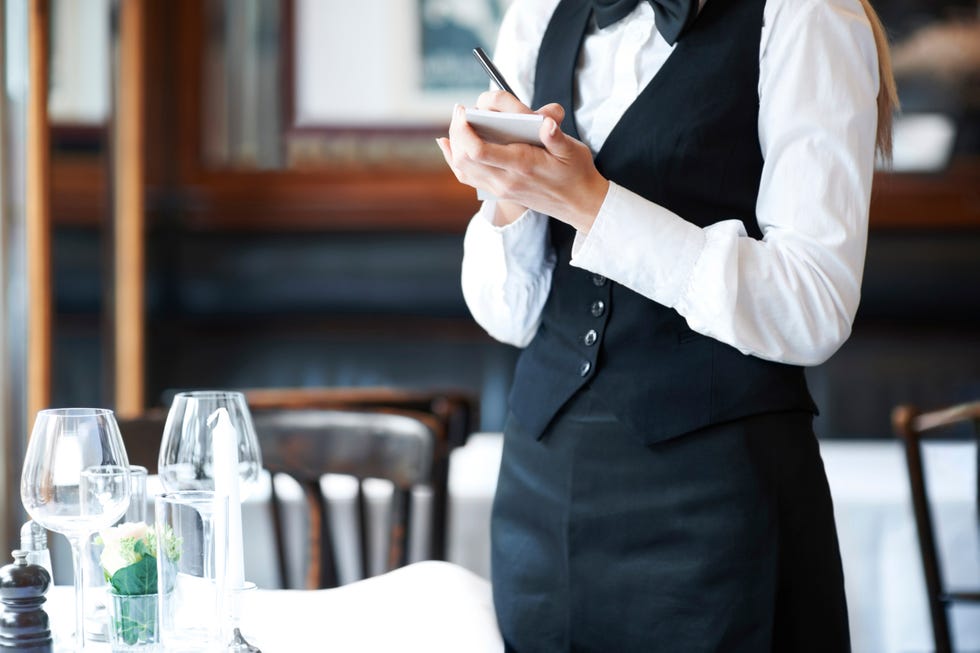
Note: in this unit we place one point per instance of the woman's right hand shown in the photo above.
(463, 139)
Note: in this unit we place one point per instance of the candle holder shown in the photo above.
(238, 605)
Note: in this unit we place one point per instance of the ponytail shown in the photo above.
(887, 94)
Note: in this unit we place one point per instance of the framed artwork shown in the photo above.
(388, 63)
(78, 91)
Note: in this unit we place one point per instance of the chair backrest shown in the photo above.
(456, 411)
(911, 425)
(306, 443)
(142, 436)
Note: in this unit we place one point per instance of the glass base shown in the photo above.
(132, 622)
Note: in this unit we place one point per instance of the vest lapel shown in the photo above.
(555, 77)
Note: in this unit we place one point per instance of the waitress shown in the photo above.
(691, 235)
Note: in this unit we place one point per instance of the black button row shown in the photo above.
(598, 309)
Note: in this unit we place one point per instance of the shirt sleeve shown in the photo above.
(506, 273)
(792, 296)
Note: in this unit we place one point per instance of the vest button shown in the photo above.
(584, 368)
(598, 280)
(598, 308)
(590, 337)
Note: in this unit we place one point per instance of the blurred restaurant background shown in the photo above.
(247, 194)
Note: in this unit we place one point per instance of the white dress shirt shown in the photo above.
(790, 297)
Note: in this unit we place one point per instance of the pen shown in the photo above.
(492, 71)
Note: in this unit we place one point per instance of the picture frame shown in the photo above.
(413, 66)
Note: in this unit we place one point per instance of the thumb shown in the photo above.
(554, 140)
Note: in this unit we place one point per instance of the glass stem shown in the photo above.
(79, 573)
(210, 564)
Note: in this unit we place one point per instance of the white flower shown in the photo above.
(119, 546)
(112, 560)
(135, 530)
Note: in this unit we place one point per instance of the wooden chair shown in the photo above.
(910, 425)
(458, 410)
(142, 436)
(308, 443)
(457, 413)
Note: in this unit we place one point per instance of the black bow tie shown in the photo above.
(673, 16)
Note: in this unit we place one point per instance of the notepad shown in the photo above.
(505, 128)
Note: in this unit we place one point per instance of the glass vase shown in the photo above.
(133, 622)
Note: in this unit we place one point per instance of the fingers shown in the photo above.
(474, 161)
(464, 140)
(555, 141)
(554, 111)
(505, 170)
(447, 154)
(467, 146)
(501, 101)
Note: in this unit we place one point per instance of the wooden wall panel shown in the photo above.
(128, 214)
(38, 204)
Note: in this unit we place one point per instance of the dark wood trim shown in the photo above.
(327, 200)
(79, 187)
(950, 199)
(385, 196)
(324, 200)
(287, 57)
(77, 137)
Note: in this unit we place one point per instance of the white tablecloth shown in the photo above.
(427, 607)
(869, 483)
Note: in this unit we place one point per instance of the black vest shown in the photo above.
(690, 143)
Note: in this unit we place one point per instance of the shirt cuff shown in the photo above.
(523, 242)
(640, 245)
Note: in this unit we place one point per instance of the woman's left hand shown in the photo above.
(559, 179)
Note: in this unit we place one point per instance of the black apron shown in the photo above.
(720, 540)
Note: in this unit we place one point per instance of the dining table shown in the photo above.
(868, 480)
(425, 607)
(884, 582)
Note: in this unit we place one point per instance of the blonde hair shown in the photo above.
(887, 93)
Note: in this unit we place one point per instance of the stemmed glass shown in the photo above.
(186, 461)
(75, 481)
(187, 453)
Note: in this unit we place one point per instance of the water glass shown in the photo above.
(96, 586)
(190, 586)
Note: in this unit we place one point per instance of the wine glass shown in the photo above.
(186, 461)
(76, 481)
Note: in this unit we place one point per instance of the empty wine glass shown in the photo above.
(75, 481)
(186, 461)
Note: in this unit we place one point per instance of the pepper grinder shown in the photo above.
(23, 622)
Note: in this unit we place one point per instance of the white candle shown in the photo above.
(224, 443)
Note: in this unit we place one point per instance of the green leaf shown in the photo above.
(137, 578)
(140, 548)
